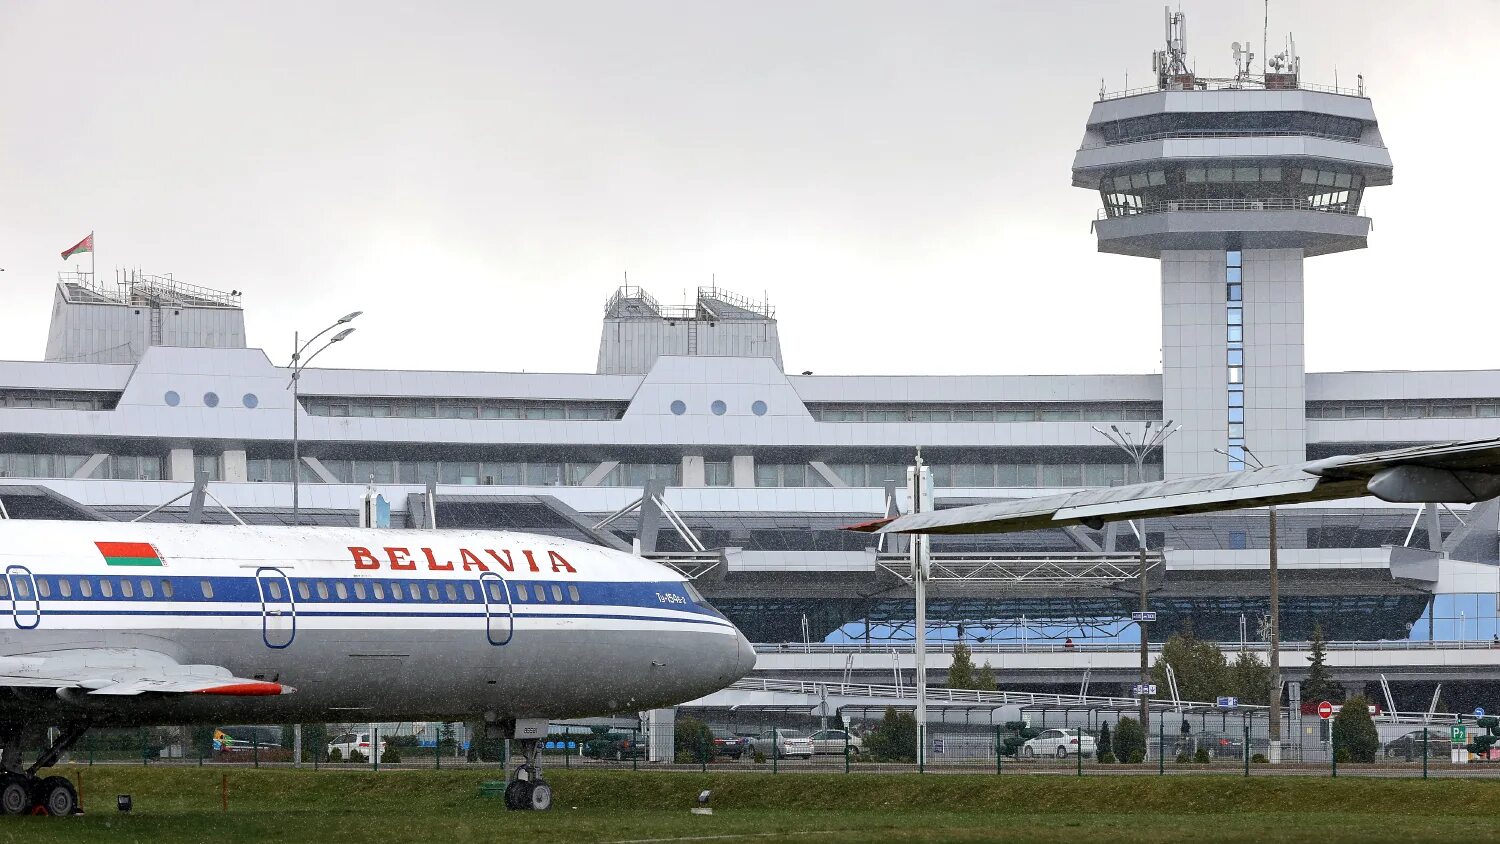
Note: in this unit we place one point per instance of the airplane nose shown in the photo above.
(746, 661)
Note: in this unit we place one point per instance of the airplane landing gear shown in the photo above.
(22, 792)
(527, 790)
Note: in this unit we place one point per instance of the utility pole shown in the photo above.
(1138, 450)
(919, 484)
(1273, 726)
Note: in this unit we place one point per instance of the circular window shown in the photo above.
(251, 401)
(171, 398)
(758, 407)
(679, 407)
(211, 399)
(718, 407)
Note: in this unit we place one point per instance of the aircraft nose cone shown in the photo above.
(746, 659)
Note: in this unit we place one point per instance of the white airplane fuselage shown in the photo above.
(366, 625)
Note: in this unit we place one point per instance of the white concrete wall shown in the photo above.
(1193, 343)
(1275, 369)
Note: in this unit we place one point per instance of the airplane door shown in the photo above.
(25, 606)
(499, 617)
(278, 613)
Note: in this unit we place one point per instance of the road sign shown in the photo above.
(1145, 689)
(1228, 702)
(1460, 734)
(1143, 616)
(1325, 710)
(1478, 712)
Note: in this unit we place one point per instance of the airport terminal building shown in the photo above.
(692, 443)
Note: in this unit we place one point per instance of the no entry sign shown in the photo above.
(1325, 710)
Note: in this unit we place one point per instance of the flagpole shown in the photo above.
(93, 261)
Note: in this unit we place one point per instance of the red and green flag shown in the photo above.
(129, 553)
(85, 245)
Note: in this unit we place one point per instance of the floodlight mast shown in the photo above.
(919, 486)
(1149, 442)
(297, 365)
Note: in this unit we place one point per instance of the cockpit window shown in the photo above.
(693, 593)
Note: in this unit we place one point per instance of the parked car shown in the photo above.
(1409, 746)
(783, 744)
(833, 742)
(1061, 743)
(616, 746)
(731, 746)
(349, 742)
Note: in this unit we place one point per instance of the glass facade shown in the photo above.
(987, 412)
(1234, 322)
(460, 408)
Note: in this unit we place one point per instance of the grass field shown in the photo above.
(183, 804)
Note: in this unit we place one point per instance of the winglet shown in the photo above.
(870, 527)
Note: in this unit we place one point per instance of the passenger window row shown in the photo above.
(538, 591)
(433, 592)
(87, 587)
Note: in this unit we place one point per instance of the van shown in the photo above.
(347, 743)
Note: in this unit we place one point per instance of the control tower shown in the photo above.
(1230, 183)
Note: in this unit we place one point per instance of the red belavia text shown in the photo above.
(409, 559)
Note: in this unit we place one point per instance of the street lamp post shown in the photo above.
(1273, 726)
(1138, 451)
(297, 365)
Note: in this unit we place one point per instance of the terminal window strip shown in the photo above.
(1234, 309)
(1231, 185)
(985, 412)
(461, 408)
(1405, 409)
(1218, 124)
(59, 399)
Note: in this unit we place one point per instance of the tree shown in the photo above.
(1318, 686)
(961, 673)
(1129, 741)
(1105, 750)
(984, 678)
(445, 742)
(1250, 680)
(1354, 730)
(1200, 666)
(895, 738)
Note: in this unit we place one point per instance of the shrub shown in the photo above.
(895, 740)
(1342, 755)
(1201, 757)
(757, 757)
(335, 755)
(391, 754)
(356, 756)
(1106, 748)
(694, 741)
(1106, 758)
(1182, 757)
(1354, 731)
(1129, 741)
(1260, 759)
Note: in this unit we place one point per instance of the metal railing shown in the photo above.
(1234, 85)
(964, 696)
(1025, 568)
(1274, 203)
(1049, 646)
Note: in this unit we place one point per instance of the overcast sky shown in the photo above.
(894, 176)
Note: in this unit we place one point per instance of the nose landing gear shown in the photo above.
(527, 790)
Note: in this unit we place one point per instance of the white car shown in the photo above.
(1061, 743)
(348, 742)
(833, 742)
(783, 744)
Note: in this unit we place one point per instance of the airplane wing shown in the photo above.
(1458, 472)
(125, 671)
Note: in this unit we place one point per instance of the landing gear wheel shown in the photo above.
(1062, 753)
(57, 796)
(540, 797)
(15, 795)
(516, 795)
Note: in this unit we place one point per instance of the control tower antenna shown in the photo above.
(1171, 65)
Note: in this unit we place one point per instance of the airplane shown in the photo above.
(1462, 472)
(126, 624)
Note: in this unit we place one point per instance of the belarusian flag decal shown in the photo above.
(129, 553)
